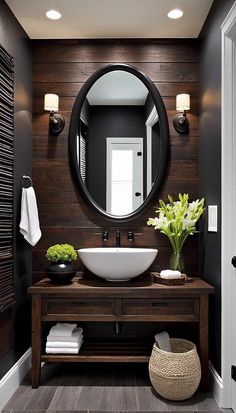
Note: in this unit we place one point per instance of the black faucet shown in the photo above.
(130, 235)
(118, 239)
(105, 235)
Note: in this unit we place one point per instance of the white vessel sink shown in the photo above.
(117, 264)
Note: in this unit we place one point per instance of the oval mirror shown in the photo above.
(118, 142)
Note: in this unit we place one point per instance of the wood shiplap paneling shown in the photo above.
(62, 67)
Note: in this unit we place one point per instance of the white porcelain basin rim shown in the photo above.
(109, 250)
(117, 264)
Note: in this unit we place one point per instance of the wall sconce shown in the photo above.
(56, 121)
(180, 121)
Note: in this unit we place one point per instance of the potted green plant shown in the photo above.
(61, 268)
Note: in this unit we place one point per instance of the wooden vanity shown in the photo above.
(140, 300)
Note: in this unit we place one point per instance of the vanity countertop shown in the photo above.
(83, 285)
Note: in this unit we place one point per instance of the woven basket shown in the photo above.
(175, 375)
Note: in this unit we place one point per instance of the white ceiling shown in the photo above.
(110, 18)
(117, 88)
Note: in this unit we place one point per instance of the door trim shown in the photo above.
(122, 140)
(150, 122)
(228, 152)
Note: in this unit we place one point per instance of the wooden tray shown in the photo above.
(178, 281)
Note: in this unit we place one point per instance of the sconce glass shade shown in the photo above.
(51, 102)
(182, 102)
(180, 121)
(56, 121)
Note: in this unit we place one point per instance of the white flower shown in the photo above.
(176, 205)
(177, 219)
(188, 215)
(161, 222)
(156, 222)
(193, 205)
(187, 223)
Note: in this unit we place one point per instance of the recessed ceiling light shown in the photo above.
(175, 14)
(53, 14)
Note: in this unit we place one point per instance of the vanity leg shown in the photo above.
(203, 341)
(36, 340)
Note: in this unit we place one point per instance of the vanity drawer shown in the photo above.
(173, 308)
(85, 306)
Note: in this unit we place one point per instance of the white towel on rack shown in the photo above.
(29, 223)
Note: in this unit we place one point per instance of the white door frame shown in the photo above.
(124, 141)
(228, 181)
(151, 120)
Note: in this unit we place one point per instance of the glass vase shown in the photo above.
(177, 261)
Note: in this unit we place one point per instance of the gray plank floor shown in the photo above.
(99, 388)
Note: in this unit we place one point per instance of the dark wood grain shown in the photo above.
(141, 300)
(59, 170)
(175, 308)
(40, 124)
(62, 66)
(159, 263)
(79, 72)
(180, 148)
(71, 89)
(67, 102)
(180, 51)
(85, 307)
(143, 286)
(89, 236)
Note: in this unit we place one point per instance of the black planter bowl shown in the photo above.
(61, 273)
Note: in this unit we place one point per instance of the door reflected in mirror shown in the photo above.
(124, 184)
(118, 142)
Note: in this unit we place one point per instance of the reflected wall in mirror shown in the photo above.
(118, 141)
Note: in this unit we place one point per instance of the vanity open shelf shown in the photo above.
(88, 300)
(106, 352)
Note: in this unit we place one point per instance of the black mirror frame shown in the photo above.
(73, 130)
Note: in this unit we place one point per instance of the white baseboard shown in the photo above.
(13, 378)
(216, 385)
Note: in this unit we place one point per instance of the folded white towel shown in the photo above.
(170, 274)
(74, 338)
(63, 329)
(51, 350)
(63, 350)
(163, 341)
(67, 344)
(29, 223)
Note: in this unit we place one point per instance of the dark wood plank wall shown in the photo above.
(62, 67)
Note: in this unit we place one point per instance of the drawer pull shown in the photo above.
(159, 304)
